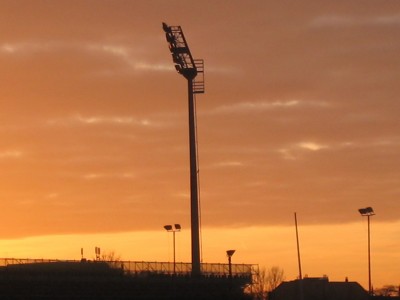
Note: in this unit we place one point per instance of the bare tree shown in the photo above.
(274, 277)
(110, 256)
(258, 287)
(112, 259)
(388, 290)
(266, 281)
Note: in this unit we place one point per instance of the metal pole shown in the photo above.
(298, 247)
(230, 266)
(194, 203)
(301, 296)
(369, 259)
(174, 250)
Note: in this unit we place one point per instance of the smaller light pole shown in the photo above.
(229, 253)
(177, 228)
(368, 212)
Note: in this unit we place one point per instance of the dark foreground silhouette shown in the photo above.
(97, 280)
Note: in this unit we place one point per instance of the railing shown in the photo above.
(198, 82)
(136, 267)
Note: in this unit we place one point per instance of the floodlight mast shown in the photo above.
(186, 66)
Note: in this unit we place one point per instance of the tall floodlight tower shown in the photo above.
(189, 68)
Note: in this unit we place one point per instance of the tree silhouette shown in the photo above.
(388, 290)
(110, 256)
(274, 277)
(265, 281)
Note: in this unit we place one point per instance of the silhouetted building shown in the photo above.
(318, 289)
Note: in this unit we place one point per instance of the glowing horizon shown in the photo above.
(252, 246)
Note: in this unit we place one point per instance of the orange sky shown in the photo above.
(301, 113)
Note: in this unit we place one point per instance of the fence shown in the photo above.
(181, 268)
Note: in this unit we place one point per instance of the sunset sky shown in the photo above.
(301, 114)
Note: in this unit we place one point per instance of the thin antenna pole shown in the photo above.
(298, 247)
(301, 296)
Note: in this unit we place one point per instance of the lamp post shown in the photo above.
(229, 253)
(189, 68)
(177, 228)
(368, 212)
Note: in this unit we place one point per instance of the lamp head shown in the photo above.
(165, 27)
(368, 211)
(168, 227)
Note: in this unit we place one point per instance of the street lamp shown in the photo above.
(229, 253)
(177, 228)
(368, 212)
